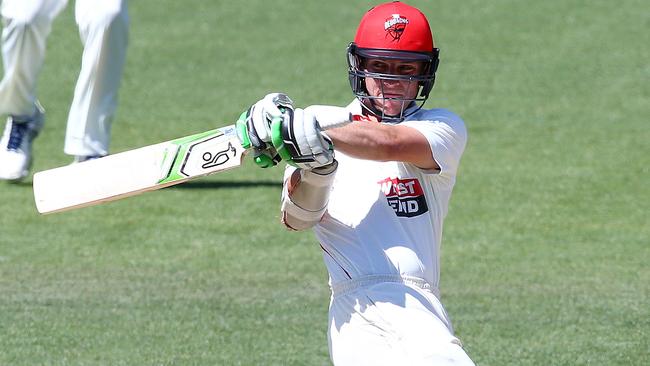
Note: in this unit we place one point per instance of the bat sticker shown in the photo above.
(219, 158)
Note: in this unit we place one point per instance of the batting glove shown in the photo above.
(300, 141)
(254, 127)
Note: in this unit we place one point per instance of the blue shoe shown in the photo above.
(16, 144)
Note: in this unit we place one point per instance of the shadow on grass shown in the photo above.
(226, 184)
(20, 183)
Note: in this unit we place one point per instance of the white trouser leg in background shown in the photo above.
(103, 27)
(26, 25)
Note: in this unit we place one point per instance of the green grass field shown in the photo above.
(546, 246)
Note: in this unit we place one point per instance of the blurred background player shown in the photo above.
(103, 28)
(378, 208)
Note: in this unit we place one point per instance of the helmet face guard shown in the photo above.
(357, 75)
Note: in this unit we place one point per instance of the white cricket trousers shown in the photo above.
(103, 27)
(383, 321)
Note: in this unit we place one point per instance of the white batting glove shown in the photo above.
(300, 141)
(265, 110)
(254, 127)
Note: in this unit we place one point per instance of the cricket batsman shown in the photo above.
(375, 192)
(103, 27)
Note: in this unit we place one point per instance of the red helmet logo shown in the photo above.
(395, 27)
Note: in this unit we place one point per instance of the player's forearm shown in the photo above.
(365, 140)
(383, 142)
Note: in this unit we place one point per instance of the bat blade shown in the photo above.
(136, 171)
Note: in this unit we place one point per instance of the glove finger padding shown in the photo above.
(264, 111)
(299, 140)
(266, 158)
(247, 133)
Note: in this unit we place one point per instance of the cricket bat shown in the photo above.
(149, 168)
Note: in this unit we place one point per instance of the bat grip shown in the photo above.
(331, 117)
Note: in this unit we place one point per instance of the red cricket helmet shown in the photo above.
(393, 31)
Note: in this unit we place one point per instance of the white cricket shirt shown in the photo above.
(385, 218)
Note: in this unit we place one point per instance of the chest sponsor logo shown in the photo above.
(405, 196)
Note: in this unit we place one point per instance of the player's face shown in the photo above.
(392, 92)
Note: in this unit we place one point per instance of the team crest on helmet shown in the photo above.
(395, 27)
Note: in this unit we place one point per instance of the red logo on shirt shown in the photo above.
(405, 196)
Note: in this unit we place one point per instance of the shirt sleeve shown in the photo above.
(446, 134)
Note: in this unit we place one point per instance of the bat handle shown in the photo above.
(331, 117)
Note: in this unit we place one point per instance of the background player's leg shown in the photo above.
(103, 27)
(26, 26)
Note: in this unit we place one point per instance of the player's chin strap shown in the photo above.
(305, 195)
